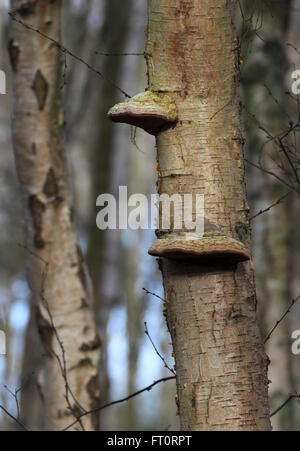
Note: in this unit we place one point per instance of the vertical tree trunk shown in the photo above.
(209, 286)
(273, 247)
(113, 38)
(294, 59)
(31, 403)
(42, 171)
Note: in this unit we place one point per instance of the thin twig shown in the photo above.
(69, 52)
(153, 294)
(273, 174)
(105, 406)
(156, 350)
(281, 319)
(221, 109)
(271, 206)
(16, 420)
(65, 69)
(120, 54)
(293, 47)
(133, 131)
(294, 396)
(15, 396)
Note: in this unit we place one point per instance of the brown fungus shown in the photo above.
(215, 249)
(153, 112)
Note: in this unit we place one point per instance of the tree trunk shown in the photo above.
(31, 403)
(209, 285)
(113, 38)
(294, 38)
(42, 171)
(272, 244)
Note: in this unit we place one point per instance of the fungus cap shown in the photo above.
(150, 111)
(213, 248)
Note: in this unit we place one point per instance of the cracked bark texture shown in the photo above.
(42, 171)
(211, 306)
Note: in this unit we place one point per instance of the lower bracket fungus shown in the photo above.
(153, 112)
(215, 249)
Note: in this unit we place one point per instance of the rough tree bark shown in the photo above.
(42, 171)
(192, 108)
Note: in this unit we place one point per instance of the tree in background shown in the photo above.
(293, 44)
(121, 289)
(57, 271)
(191, 107)
(112, 37)
(11, 261)
(265, 69)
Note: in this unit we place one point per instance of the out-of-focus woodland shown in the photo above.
(103, 156)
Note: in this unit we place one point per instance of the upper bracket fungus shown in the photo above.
(153, 112)
(216, 249)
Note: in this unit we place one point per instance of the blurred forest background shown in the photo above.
(102, 156)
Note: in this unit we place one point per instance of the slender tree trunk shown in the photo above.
(273, 247)
(294, 59)
(113, 38)
(209, 285)
(50, 235)
(32, 404)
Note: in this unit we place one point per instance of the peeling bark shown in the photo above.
(42, 171)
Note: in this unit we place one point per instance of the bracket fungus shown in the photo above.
(153, 112)
(216, 249)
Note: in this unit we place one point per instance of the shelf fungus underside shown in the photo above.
(150, 111)
(217, 249)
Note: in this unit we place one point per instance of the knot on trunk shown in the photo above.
(214, 249)
(153, 112)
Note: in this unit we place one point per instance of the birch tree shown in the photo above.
(64, 315)
(192, 108)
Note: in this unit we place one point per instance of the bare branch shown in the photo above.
(281, 319)
(294, 396)
(271, 206)
(15, 419)
(15, 395)
(98, 409)
(273, 174)
(120, 54)
(153, 294)
(157, 351)
(68, 52)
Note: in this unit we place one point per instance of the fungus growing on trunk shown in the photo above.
(150, 111)
(217, 249)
